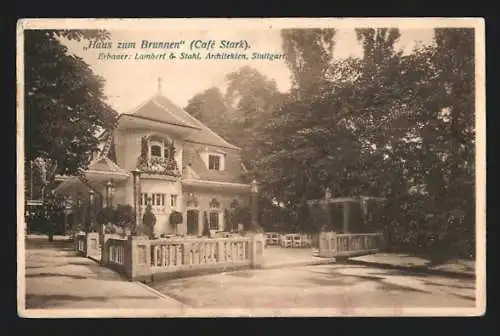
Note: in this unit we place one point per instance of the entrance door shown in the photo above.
(192, 222)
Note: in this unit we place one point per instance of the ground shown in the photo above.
(322, 286)
(57, 278)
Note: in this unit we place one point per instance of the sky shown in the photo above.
(128, 83)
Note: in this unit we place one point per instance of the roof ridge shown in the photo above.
(141, 105)
(157, 103)
(199, 122)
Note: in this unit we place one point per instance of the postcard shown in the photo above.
(259, 167)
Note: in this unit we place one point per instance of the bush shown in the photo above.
(175, 218)
(106, 215)
(149, 220)
(125, 216)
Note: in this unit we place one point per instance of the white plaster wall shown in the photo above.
(152, 186)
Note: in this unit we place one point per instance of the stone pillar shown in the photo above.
(257, 250)
(326, 208)
(138, 258)
(137, 194)
(346, 218)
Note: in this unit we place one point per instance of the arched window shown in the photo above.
(215, 216)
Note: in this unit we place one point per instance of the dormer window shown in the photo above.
(214, 162)
(214, 159)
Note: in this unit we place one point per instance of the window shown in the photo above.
(214, 220)
(143, 199)
(156, 150)
(158, 200)
(173, 201)
(214, 162)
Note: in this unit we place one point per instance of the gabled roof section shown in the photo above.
(160, 108)
(189, 173)
(104, 164)
(233, 172)
(154, 110)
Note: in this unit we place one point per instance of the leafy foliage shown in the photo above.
(175, 218)
(125, 215)
(64, 102)
(386, 124)
(106, 215)
(149, 220)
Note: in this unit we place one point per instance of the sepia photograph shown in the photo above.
(251, 167)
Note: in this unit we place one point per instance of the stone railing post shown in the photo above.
(137, 257)
(186, 253)
(105, 249)
(257, 250)
(92, 244)
(382, 243)
(220, 251)
(327, 244)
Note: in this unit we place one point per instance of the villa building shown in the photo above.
(184, 166)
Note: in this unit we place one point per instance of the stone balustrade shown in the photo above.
(333, 245)
(141, 258)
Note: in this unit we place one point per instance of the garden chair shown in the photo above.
(287, 241)
(275, 238)
(297, 241)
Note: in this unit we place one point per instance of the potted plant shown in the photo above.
(149, 221)
(106, 216)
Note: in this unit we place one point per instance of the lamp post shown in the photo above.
(136, 173)
(328, 197)
(79, 209)
(109, 194)
(91, 208)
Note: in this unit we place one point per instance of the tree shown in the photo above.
(239, 114)
(251, 96)
(210, 108)
(308, 54)
(64, 101)
(125, 216)
(149, 220)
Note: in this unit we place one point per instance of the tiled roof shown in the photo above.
(233, 171)
(162, 109)
(104, 164)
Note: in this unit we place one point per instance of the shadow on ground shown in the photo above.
(64, 245)
(335, 279)
(43, 301)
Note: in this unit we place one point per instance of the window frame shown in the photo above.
(214, 214)
(218, 161)
(173, 200)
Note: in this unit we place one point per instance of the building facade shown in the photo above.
(184, 166)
